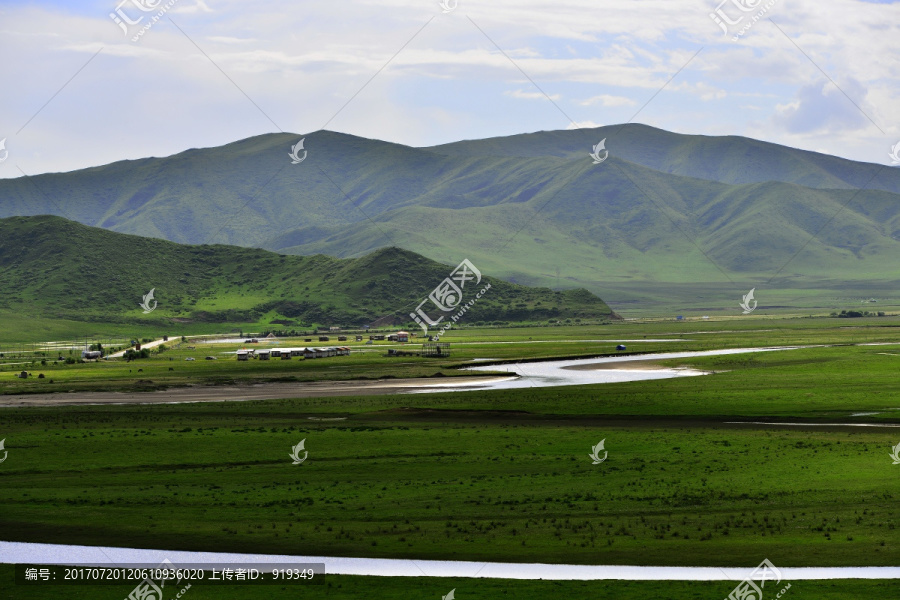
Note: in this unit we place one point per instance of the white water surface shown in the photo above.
(59, 554)
(572, 372)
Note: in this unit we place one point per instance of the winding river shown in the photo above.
(609, 369)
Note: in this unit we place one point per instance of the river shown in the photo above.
(59, 554)
(610, 369)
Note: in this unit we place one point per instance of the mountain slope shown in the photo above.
(664, 208)
(53, 267)
(726, 159)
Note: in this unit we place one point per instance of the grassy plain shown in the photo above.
(495, 476)
(454, 487)
(170, 368)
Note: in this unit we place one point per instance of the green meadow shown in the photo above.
(499, 475)
(463, 487)
(168, 367)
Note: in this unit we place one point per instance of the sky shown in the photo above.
(81, 89)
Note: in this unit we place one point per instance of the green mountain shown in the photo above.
(727, 159)
(668, 219)
(54, 268)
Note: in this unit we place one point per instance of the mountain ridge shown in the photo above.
(663, 208)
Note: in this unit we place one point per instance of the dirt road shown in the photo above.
(238, 393)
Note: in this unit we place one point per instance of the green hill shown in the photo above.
(667, 217)
(54, 268)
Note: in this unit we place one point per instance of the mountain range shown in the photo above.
(665, 214)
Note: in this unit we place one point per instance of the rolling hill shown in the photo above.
(668, 219)
(54, 268)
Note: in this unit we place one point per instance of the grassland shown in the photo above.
(467, 487)
(169, 368)
(488, 476)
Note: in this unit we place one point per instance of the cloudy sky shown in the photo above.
(80, 89)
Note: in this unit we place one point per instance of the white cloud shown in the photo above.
(300, 62)
(531, 95)
(198, 6)
(823, 108)
(585, 125)
(224, 39)
(608, 101)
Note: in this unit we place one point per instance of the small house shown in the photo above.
(342, 338)
(402, 336)
(323, 338)
(276, 352)
(263, 354)
(359, 338)
(243, 355)
(309, 353)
